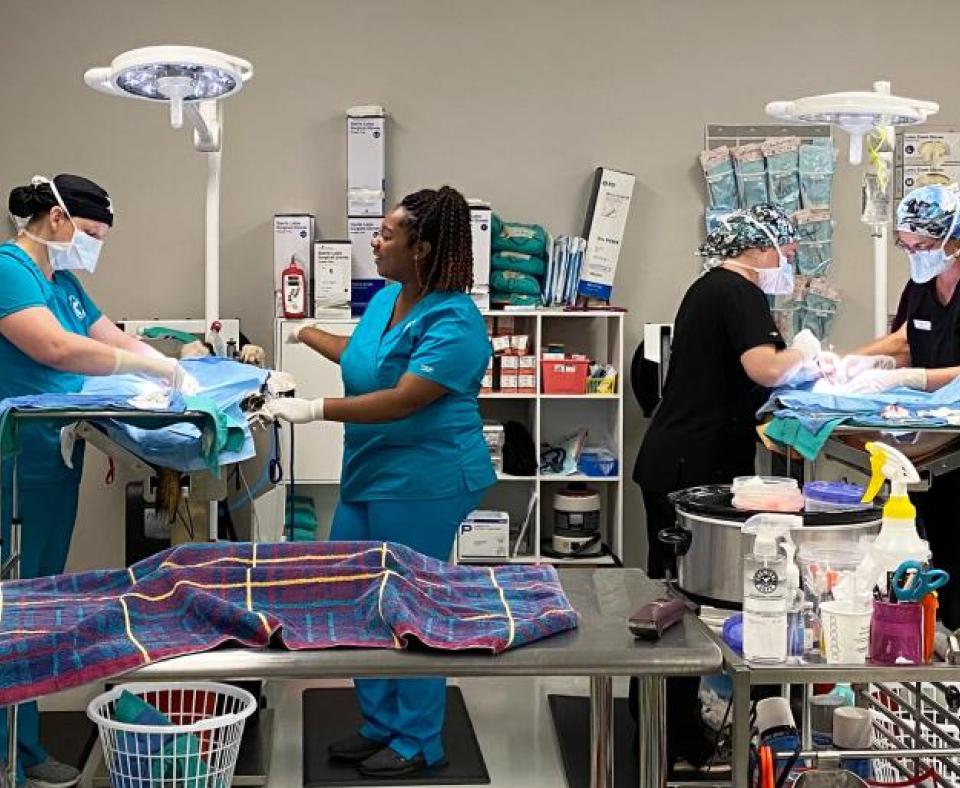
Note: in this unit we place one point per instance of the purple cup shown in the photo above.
(896, 633)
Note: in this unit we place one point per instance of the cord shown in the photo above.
(291, 499)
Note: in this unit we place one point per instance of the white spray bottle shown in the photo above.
(768, 587)
(898, 540)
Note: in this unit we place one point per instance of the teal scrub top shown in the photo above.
(22, 286)
(438, 452)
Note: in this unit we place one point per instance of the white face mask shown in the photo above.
(80, 253)
(774, 281)
(928, 265)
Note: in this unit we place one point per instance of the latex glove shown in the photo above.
(878, 381)
(165, 368)
(807, 344)
(182, 381)
(296, 410)
(253, 355)
(293, 338)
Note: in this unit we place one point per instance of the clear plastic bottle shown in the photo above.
(765, 601)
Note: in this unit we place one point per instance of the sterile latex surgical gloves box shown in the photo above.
(481, 217)
(366, 280)
(484, 535)
(366, 161)
(332, 263)
(292, 242)
(603, 229)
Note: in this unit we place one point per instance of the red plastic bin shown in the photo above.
(568, 376)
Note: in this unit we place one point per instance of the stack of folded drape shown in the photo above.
(518, 263)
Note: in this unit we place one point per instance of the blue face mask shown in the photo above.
(80, 253)
(929, 264)
(779, 280)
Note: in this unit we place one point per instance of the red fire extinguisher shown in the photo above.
(294, 290)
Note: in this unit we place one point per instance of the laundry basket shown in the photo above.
(197, 749)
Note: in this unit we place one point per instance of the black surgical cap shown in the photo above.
(82, 197)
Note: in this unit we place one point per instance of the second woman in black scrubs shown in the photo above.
(926, 335)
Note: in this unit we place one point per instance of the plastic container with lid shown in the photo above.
(767, 494)
(823, 567)
(833, 497)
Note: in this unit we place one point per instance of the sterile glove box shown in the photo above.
(484, 535)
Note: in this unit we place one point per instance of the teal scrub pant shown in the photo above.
(49, 512)
(406, 714)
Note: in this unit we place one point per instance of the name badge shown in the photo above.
(923, 325)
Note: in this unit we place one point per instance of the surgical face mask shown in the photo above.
(779, 280)
(929, 264)
(80, 253)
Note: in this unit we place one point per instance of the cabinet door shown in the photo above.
(318, 447)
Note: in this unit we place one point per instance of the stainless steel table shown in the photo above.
(600, 648)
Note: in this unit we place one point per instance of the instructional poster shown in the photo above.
(929, 158)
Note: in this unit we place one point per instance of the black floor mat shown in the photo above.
(69, 736)
(571, 721)
(329, 714)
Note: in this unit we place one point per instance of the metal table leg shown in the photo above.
(15, 546)
(741, 727)
(652, 717)
(601, 732)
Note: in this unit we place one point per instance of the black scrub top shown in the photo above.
(933, 329)
(704, 431)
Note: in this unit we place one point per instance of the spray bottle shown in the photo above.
(294, 289)
(767, 592)
(898, 540)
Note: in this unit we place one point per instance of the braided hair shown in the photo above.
(441, 218)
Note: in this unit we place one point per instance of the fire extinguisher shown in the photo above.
(294, 291)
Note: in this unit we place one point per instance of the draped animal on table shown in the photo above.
(68, 630)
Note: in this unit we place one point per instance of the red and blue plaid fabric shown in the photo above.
(68, 630)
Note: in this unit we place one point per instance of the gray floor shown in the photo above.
(510, 717)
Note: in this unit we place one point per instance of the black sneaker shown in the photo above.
(354, 748)
(389, 764)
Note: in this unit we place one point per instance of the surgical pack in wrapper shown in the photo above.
(820, 305)
(816, 174)
(751, 171)
(815, 247)
(783, 172)
(721, 180)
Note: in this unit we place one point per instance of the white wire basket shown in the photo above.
(198, 749)
(904, 733)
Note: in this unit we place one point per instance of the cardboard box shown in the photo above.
(480, 220)
(501, 344)
(292, 240)
(603, 228)
(509, 382)
(486, 385)
(506, 325)
(332, 266)
(527, 363)
(366, 161)
(508, 363)
(527, 383)
(520, 344)
(484, 535)
(365, 279)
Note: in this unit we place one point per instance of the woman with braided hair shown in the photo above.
(414, 460)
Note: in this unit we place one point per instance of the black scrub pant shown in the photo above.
(939, 515)
(686, 734)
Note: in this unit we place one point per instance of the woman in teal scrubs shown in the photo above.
(414, 462)
(51, 335)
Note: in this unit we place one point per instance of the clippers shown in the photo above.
(651, 620)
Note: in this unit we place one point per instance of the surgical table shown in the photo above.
(600, 648)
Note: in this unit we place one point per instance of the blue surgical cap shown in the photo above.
(930, 211)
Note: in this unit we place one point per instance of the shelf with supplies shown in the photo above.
(527, 499)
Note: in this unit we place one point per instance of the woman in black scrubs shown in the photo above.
(926, 335)
(726, 353)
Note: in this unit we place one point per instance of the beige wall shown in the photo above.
(513, 101)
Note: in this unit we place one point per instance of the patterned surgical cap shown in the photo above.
(930, 211)
(743, 230)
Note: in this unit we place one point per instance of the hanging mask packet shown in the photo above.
(816, 174)
(751, 171)
(815, 246)
(820, 306)
(783, 172)
(721, 180)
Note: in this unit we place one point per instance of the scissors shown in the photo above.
(911, 582)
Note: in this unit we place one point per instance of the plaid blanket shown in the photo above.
(68, 630)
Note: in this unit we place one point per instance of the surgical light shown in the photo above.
(855, 112)
(192, 80)
(180, 75)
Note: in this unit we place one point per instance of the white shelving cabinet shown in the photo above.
(548, 417)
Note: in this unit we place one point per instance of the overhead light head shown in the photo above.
(855, 112)
(171, 73)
